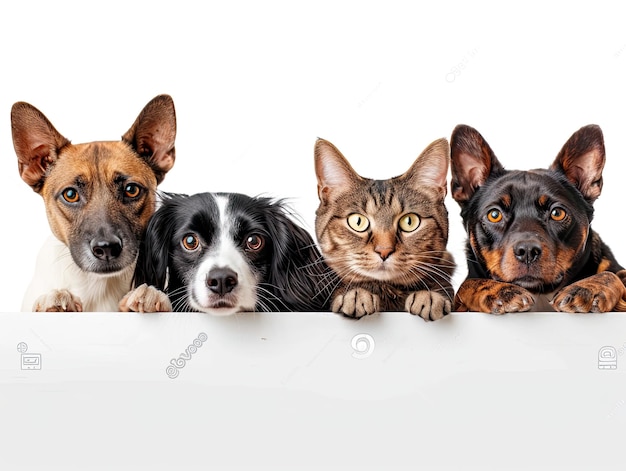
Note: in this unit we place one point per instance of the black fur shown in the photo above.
(289, 267)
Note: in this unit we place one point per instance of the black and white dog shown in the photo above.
(223, 253)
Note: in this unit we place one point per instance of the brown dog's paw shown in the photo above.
(597, 293)
(58, 300)
(429, 305)
(145, 298)
(356, 303)
(492, 297)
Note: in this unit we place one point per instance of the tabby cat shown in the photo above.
(386, 239)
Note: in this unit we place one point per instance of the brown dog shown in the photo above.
(530, 244)
(99, 197)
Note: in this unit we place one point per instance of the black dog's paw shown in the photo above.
(493, 297)
(597, 293)
(429, 305)
(356, 303)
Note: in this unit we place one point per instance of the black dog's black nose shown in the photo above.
(106, 249)
(527, 251)
(221, 280)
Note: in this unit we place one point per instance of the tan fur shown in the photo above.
(89, 263)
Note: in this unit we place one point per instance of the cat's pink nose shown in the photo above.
(384, 252)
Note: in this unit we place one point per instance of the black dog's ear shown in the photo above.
(297, 269)
(582, 160)
(154, 249)
(472, 162)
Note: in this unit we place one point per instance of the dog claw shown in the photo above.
(58, 301)
(145, 298)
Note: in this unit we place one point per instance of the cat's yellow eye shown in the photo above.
(558, 214)
(409, 222)
(494, 215)
(358, 222)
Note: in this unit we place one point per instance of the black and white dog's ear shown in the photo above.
(154, 249)
(297, 269)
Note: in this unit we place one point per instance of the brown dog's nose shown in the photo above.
(106, 249)
(221, 280)
(527, 251)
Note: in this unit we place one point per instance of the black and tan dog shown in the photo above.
(99, 197)
(530, 245)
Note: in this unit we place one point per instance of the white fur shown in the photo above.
(225, 255)
(55, 270)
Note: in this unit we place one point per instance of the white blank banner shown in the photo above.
(312, 391)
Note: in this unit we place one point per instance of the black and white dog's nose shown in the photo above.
(106, 249)
(221, 280)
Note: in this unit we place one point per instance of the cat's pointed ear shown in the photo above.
(473, 162)
(582, 159)
(430, 169)
(334, 173)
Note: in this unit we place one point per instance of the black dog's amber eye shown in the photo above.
(190, 242)
(70, 195)
(558, 214)
(132, 190)
(495, 215)
(254, 243)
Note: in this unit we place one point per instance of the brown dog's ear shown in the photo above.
(582, 159)
(153, 133)
(472, 162)
(430, 169)
(334, 174)
(36, 142)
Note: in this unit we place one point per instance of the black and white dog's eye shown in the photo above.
(190, 242)
(254, 243)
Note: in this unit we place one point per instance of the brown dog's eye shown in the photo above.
(190, 242)
(254, 243)
(495, 215)
(132, 190)
(558, 214)
(71, 195)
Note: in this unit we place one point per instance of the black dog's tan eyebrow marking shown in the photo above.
(506, 201)
(543, 200)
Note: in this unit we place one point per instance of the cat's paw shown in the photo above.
(145, 298)
(58, 300)
(429, 305)
(356, 303)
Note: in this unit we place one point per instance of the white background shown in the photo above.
(255, 83)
